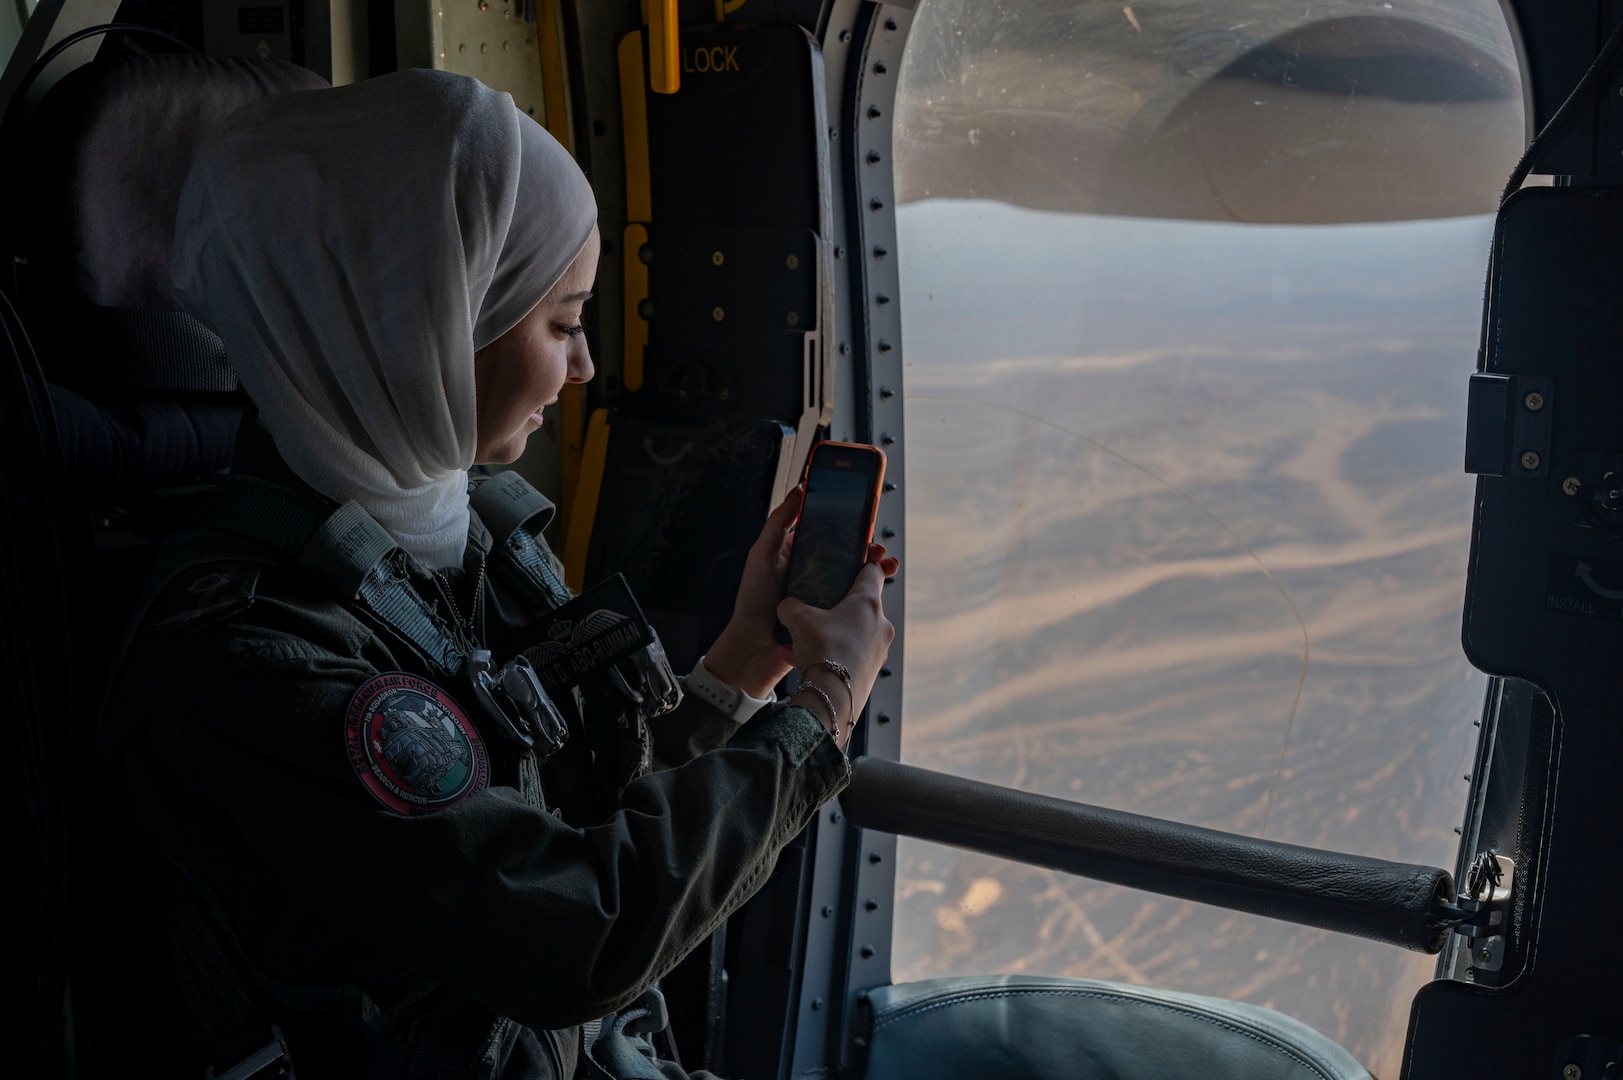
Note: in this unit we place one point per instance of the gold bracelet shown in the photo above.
(843, 672)
(833, 714)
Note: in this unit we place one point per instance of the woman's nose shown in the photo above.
(580, 362)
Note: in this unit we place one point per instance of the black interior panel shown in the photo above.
(1546, 569)
(738, 173)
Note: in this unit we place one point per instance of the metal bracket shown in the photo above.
(1507, 427)
(1588, 1057)
(1485, 902)
(270, 1062)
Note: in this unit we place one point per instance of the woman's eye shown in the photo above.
(573, 330)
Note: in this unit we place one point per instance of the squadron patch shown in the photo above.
(412, 746)
(599, 627)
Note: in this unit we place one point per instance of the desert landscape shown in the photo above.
(1187, 522)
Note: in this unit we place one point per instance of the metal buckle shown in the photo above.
(655, 1018)
(270, 1061)
(646, 680)
(1485, 902)
(514, 698)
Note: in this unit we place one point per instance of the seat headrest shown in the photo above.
(112, 143)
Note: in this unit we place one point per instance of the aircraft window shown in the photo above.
(1191, 298)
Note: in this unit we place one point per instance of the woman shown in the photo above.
(397, 269)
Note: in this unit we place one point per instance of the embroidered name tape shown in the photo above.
(597, 628)
(412, 746)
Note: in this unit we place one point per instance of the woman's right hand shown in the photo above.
(853, 633)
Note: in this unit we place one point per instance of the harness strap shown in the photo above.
(450, 1036)
(506, 501)
(215, 982)
(345, 547)
(267, 512)
(617, 1047)
(386, 595)
(515, 513)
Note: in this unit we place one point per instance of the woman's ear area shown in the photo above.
(582, 272)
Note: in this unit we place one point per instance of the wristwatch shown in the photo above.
(724, 696)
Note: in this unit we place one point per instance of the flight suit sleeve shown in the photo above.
(692, 728)
(538, 920)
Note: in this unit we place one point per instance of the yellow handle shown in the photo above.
(583, 515)
(664, 48)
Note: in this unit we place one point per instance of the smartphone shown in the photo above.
(836, 521)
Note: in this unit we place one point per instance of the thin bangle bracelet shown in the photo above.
(840, 670)
(833, 715)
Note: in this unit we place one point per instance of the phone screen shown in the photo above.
(836, 523)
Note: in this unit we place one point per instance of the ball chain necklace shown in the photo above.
(464, 628)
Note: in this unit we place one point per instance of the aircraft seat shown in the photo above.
(143, 394)
(1028, 1027)
(143, 404)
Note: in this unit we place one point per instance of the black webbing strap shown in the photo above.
(515, 513)
(156, 350)
(216, 983)
(450, 1035)
(263, 511)
(345, 547)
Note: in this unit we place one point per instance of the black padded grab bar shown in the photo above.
(1398, 903)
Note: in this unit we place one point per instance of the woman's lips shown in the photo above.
(536, 416)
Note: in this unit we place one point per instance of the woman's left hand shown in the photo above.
(747, 654)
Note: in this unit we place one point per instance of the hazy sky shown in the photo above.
(985, 280)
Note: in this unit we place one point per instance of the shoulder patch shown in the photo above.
(206, 595)
(412, 746)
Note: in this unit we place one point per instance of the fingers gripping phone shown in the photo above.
(836, 522)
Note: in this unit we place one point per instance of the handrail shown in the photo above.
(1397, 903)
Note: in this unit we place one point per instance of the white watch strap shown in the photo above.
(724, 696)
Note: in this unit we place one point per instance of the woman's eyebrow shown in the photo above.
(575, 297)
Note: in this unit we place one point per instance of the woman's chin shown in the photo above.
(507, 452)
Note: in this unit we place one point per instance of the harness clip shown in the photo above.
(270, 1062)
(514, 697)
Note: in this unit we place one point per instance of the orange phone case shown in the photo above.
(826, 593)
(878, 479)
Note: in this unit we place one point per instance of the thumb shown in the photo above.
(786, 510)
(778, 522)
(790, 609)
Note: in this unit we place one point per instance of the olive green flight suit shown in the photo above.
(228, 727)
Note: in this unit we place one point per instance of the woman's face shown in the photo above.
(521, 372)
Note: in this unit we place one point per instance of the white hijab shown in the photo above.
(353, 247)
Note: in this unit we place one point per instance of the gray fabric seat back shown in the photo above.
(103, 164)
(143, 393)
(1037, 1028)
